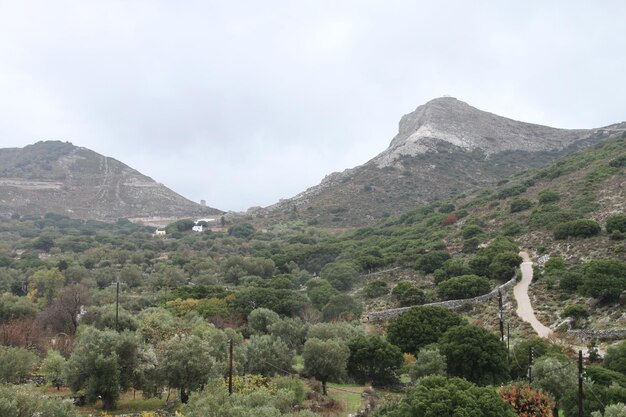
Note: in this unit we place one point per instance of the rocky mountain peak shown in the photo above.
(455, 122)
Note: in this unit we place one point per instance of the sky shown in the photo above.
(242, 103)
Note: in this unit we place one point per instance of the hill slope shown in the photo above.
(59, 177)
(444, 147)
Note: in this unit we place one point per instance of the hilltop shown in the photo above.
(54, 176)
(444, 147)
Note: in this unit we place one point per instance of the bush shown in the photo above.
(429, 361)
(577, 228)
(431, 261)
(15, 364)
(510, 192)
(511, 228)
(604, 278)
(437, 396)
(520, 204)
(470, 231)
(375, 288)
(618, 162)
(527, 401)
(548, 196)
(24, 401)
(464, 286)
(616, 222)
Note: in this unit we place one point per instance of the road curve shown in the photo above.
(524, 308)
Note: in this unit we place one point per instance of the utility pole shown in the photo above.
(117, 306)
(530, 365)
(501, 315)
(230, 368)
(508, 339)
(580, 383)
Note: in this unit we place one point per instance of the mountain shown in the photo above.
(54, 176)
(444, 147)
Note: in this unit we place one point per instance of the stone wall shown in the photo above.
(589, 334)
(384, 315)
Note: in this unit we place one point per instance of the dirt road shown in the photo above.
(524, 307)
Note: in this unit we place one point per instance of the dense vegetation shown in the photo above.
(290, 299)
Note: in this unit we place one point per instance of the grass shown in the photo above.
(298, 363)
(349, 396)
(127, 403)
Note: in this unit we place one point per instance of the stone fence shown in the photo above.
(589, 334)
(384, 315)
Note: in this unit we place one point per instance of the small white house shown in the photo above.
(197, 228)
(159, 232)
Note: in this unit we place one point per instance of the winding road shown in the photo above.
(524, 307)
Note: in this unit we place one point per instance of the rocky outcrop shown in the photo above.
(62, 178)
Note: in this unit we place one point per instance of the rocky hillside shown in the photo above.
(444, 147)
(59, 177)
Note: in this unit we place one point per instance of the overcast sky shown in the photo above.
(242, 103)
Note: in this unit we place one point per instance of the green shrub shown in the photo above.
(616, 222)
(470, 231)
(510, 192)
(618, 162)
(577, 228)
(548, 196)
(520, 204)
(375, 288)
(511, 228)
(464, 286)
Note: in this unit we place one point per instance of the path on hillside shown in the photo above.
(524, 307)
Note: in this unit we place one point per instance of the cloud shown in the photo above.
(242, 103)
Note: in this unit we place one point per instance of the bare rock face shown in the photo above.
(444, 147)
(62, 178)
(465, 127)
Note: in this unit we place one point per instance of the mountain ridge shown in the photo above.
(55, 176)
(443, 147)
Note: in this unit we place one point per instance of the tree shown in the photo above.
(597, 397)
(464, 286)
(47, 283)
(555, 376)
(260, 319)
(429, 361)
(102, 364)
(374, 359)
(291, 331)
(604, 278)
(320, 292)
(475, 354)
(13, 307)
(612, 410)
(185, 363)
(334, 331)
(503, 266)
(61, 316)
(519, 354)
(53, 367)
(15, 364)
(615, 358)
(268, 355)
(437, 396)
(420, 326)
(340, 274)
(342, 307)
(527, 401)
(577, 228)
(242, 230)
(326, 360)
